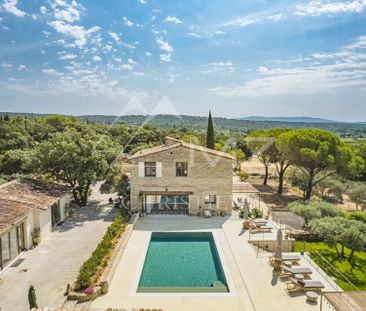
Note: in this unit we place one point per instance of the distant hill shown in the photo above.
(289, 119)
(235, 125)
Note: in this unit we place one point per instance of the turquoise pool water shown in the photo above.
(182, 262)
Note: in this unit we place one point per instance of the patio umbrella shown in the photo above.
(278, 252)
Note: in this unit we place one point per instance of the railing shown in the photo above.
(333, 276)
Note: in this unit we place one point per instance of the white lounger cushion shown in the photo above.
(297, 270)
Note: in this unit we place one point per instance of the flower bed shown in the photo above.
(92, 268)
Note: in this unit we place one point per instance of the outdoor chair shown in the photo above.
(287, 271)
(304, 286)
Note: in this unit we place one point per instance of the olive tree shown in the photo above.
(357, 194)
(312, 210)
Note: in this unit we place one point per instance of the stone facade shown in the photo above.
(209, 174)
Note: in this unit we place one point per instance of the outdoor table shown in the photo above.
(299, 277)
(287, 263)
(312, 296)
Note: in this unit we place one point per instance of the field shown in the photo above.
(356, 274)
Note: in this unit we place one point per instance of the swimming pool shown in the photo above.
(182, 262)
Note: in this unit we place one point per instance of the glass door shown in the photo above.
(55, 214)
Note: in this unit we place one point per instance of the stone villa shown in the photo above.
(181, 178)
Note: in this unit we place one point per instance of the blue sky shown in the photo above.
(237, 58)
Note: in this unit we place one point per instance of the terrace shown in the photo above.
(251, 281)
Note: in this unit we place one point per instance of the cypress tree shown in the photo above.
(32, 298)
(210, 142)
(6, 118)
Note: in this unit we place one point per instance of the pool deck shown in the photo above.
(252, 284)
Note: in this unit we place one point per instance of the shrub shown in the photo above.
(312, 209)
(89, 270)
(32, 298)
(243, 176)
(357, 215)
(255, 213)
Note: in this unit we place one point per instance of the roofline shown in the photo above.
(14, 223)
(181, 143)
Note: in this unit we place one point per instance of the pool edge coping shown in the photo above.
(232, 291)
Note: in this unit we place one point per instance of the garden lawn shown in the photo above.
(357, 274)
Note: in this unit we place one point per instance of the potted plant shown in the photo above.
(36, 236)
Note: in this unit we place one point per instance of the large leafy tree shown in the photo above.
(210, 142)
(318, 154)
(79, 158)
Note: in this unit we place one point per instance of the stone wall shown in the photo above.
(208, 174)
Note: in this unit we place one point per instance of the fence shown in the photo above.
(330, 273)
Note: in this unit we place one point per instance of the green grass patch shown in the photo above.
(356, 274)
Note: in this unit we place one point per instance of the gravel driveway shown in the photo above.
(57, 260)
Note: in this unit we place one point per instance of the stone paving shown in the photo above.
(252, 283)
(58, 258)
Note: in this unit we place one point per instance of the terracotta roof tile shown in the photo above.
(19, 196)
(178, 143)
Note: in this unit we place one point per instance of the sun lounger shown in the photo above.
(290, 257)
(262, 229)
(305, 285)
(260, 221)
(287, 271)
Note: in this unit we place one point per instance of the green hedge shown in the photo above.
(89, 270)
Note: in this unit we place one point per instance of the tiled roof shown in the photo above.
(19, 196)
(11, 212)
(178, 143)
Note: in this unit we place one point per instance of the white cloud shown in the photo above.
(165, 58)
(126, 67)
(219, 67)
(69, 15)
(97, 58)
(360, 43)
(275, 17)
(263, 69)
(22, 68)
(241, 22)
(131, 61)
(118, 39)
(64, 56)
(6, 65)
(127, 22)
(317, 8)
(148, 54)
(219, 32)
(11, 7)
(115, 36)
(43, 9)
(142, 1)
(52, 72)
(322, 72)
(79, 33)
(193, 34)
(173, 20)
(164, 45)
